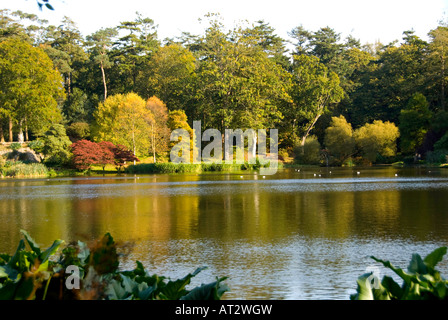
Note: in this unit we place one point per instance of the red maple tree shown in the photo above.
(122, 156)
(87, 153)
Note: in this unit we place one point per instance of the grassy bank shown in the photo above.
(34, 170)
(21, 170)
(148, 168)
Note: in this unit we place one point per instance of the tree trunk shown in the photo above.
(69, 85)
(309, 130)
(104, 80)
(20, 138)
(26, 131)
(226, 150)
(2, 137)
(442, 91)
(153, 144)
(254, 146)
(10, 130)
(133, 144)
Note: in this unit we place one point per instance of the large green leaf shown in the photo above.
(43, 257)
(174, 290)
(33, 245)
(364, 291)
(417, 266)
(394, 288)
(9, 273)
(406, 277)
(15, 258)
(115, 291)
(127, 289)
(412, 292)
(145, 293)
(442, 289)
(432, 259)
(211, 291)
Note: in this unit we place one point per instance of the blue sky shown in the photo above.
(366, 20)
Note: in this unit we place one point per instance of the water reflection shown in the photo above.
(290, 236)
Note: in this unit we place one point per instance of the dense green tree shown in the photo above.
(390, 82)
(300, 37)
(263, 35)
(30, 87)
(170, 75)
(325, 44)
(308, 153)
(136, 44)
(56, 145)
(338, 56)
(64, 44)
(442, 143)
(414, 123)
(315, 90)
(77, 108)
(437, 64)
(339, 140)
(239, 86)
(359, 64)
(78, 131)
(23, 26)
(100, 43)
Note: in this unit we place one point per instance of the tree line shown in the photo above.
(124, 84)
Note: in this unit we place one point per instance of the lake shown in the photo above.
(296, 235)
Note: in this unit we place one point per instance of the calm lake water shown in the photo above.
(292, 235)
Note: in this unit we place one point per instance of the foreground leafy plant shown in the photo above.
(29, 274)
(421, 282)
(22, 274)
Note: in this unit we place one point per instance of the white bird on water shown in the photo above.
(358, 172)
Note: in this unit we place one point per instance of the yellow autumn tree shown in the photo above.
(125, 120)
(177, 119)
(377, 139)
(160, 133)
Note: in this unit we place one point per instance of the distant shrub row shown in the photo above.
(191, 168)
(24, 170)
